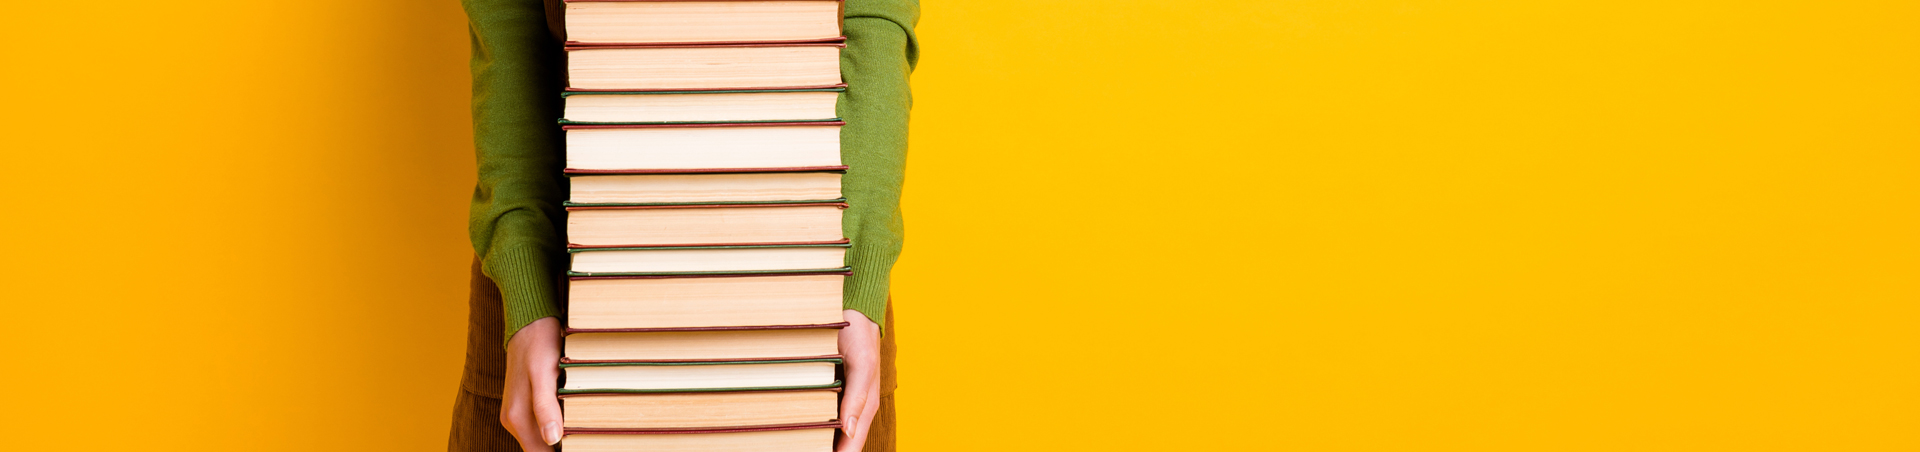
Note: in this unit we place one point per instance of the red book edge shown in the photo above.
(709, 206)
(763, 428)
(742, 360)
(788, 169)
(838, 43)
(675, 90)
(751, 275)
(597, 247)
(702, 125)
(707, 328)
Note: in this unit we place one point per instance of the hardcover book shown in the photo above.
(704, 224)
(642, 107)
(742, 147)
(694, 410)
(603, 22)
(703, 67)
(806, 438)
(687, 346)
(693, 260)
(712, 188)
(817, 373)
(704, 302)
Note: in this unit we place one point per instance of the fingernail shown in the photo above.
(847, 426)
(551, 433)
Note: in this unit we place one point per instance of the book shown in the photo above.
(704, 224)
(703, 67)
(719, 188)
(667, 148)
(689, 260)
(817, 438)
(689, 410)
(589, 21)
(643, 107)
(703, 302)
(699, 376)
(724, 345)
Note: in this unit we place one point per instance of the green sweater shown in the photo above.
(516, 222)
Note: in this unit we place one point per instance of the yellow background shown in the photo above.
(1135, 225)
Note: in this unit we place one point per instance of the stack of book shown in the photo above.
(704, 225)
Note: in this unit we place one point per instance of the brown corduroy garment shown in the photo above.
(476, 410)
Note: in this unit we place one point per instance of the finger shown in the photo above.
(524, 432)
(861, 379)
(851, 406)
(854, 399)
(873, 408)
(545, 404)
(859, 343)
(868, 386)
(869, 390)
(854, 442)
(517, 415)
(863, 383)
(510, 404)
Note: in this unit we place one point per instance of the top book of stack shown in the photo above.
(615, 22)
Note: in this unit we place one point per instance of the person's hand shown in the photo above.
(860, 342)
(528, 407)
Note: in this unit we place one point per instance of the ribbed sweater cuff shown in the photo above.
(866, 290)
(526, 285)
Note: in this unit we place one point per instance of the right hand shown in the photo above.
(528, 407)
(860, 342)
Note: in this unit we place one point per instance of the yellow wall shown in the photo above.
(1135, 225)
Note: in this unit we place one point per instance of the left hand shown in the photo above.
(528, 408)
(860, 343)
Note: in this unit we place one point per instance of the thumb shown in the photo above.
(546, 408)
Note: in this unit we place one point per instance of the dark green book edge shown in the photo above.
(835, 384)
(696, 203)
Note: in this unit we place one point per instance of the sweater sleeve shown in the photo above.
(880, 54)
(513, 218)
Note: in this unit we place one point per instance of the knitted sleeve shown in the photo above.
(516, 204)
(880, 54)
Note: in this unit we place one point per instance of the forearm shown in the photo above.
(515, 209)
(879, 57)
